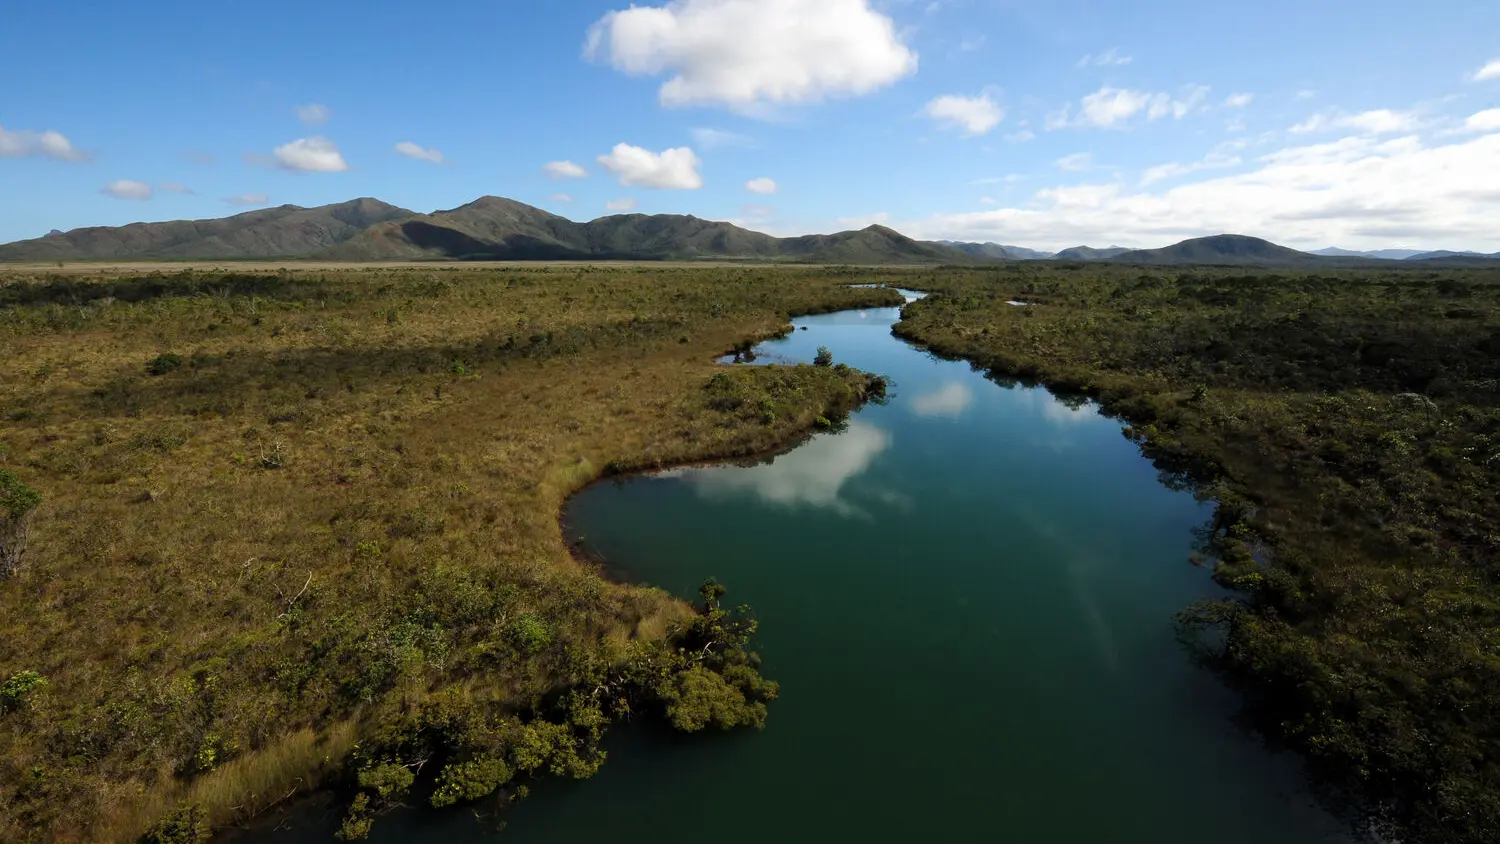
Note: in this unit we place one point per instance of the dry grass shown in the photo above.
(237, 555)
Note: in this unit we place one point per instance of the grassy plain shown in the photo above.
(290, 516)
(1348, 424)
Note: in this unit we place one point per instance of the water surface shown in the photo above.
(967, 596)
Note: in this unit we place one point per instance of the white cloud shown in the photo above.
(564, 170)
(1361, 192)
(975, 115)
(310, 155)
(560, 197)
(750, 54)
(1109, 108)
(411, 150)
(1488, 72)
(1075, 162)
(1218, 159)
(248, 199)
(672, 169)
(23, 144)
(1382, 121)
(1306, 94)
(1021, 137)
(128, 189)
(624, 203)
(988, 200)
(312, 114)
(762, 186)
(716, 138)
(950, 400)
(1484, 121)
(1109, 58)
(1238, 100)
(174, 187)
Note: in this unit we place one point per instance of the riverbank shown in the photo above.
(274, 504)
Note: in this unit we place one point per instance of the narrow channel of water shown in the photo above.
(967, 596)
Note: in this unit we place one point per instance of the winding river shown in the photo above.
(967, 595)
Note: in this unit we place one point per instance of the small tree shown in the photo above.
(17, 502)
(824, 357)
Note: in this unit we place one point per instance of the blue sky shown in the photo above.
(1044, 123)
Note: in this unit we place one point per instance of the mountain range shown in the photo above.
(493, 228)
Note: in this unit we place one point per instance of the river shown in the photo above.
(968, 597)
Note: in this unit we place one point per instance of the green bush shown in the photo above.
(186, 825)
(162, 364)
(824, 357)
(17, 502)
(14, 691)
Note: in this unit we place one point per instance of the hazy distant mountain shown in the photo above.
(1443, 253)
(1381, 254)
(1223, 249)
(489, 228)
(1088, 253)
(998, 251)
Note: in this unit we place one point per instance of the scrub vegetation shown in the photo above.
(263, 533)
(1348, 425)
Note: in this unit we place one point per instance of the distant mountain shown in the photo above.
(1381, 254)
(1443, 253)
(1222, 250)
(490, 228)
(998, 251)
(1088, 253)
(270, 232)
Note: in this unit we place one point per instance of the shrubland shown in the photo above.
(267, 532)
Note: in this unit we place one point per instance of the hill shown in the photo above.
(1442, 254)
(286, 231)
(1002, 252)
(1088, 253)
(1222, 250)
(490, 228)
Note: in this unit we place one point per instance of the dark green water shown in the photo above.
(967, 597)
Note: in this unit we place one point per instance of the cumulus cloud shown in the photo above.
(672, 169)
(128, 189)
(974, 115)
(762, 186)
(1238, 100)
(411, 150)
(312, 114)
(1488, 72)
(1111, 108)
(564, 170)
(1021, 137)
(1362, 191)
(624, 203)
(716, 138)
(248, 199)
(750, 54)
(1075, 162)
(1109, 58)
(24, 144)
(310, 155)
(1381, 121)
(560, 197)
(1484, 121)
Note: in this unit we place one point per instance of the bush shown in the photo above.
(17, 502)
(162, 364)
(13, 692)
(824, 357)
(186, 825)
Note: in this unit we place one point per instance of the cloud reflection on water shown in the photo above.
(813, 475)
(951, 400)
